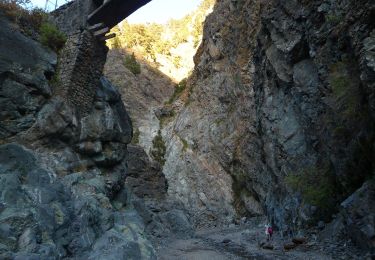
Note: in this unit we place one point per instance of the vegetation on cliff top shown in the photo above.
(51, 37)
(169, 46)
(34, 23)
(153, 38)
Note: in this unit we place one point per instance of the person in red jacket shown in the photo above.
(269, 232)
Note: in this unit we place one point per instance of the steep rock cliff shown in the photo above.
(278, 115)
(62, 168)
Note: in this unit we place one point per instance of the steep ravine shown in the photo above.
(142, 93)
(278, 119)
(275, 125)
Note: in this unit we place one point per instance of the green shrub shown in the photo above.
(54, 81)
(317, 186)
(131, 64)
(340, 85)
(166, 118)
(185, 144)
(33, 22)
(345, 90)
(189, 98)
(237, 80)
(51, 37)
(333, 19)
(158, 149)
(179, 88)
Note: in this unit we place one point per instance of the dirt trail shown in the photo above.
(239, 242)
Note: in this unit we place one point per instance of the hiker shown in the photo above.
(269, 232)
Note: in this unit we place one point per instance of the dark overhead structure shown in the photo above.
(111, 12)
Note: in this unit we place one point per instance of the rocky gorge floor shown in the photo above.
(247, 241)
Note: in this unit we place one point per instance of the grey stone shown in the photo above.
(321, 224)
(55, 202)
(112, 153)
(177, 222)
(57, 118)
(39, 59)
(104, 248)
(23, 83)
(281, 67)
(359, 215)
(305, 76)
(27, 241)
(107, 92)
(90, 148)
(270, 112)
(145, 177)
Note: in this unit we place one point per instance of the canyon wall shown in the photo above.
(278, 118)
(64, 132)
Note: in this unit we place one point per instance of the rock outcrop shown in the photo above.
(279, 119)
(44, 214)
(23, 91)
(62, 167)
(359, 216)
(145, 177)
(356, 219)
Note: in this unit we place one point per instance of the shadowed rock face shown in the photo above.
(356, 219)
(24, 87)
(145, 177)
(62, 172)
(46, 215)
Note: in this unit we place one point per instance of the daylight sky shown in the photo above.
(158, 11)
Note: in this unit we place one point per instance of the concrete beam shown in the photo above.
(96, 27)
(101, 32)
(107, 37)
(114, 11)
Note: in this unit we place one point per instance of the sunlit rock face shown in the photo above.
(142, 94)
(279, 119)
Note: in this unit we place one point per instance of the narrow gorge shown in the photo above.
(117, 143)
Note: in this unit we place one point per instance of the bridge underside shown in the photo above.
(81, 61)
(111, 12)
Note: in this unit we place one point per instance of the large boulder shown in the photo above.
(34, 205)
(359, 215)
(145, 177)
